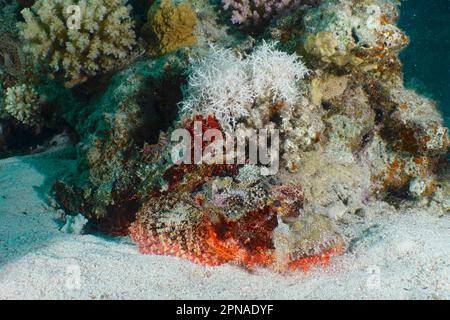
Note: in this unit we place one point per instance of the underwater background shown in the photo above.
(426, 61)
(357, 207)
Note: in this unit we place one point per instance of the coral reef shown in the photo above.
(103, 38)
(171, 26)
(254, 90)
(325, 74)
(117, 162)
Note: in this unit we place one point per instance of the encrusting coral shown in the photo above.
(7, 16)
(78, 47)
(117, 148)
(171, 26)
(11, 57)
(11, 60)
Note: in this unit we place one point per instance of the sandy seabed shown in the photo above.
(391, 254)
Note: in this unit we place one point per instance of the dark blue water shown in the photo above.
(427, 59)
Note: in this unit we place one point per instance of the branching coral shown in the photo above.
(172, 26)
(252, 91)
(22, 103)
(219, 85)
(249, 12)
(228, 86)
(275, 74)
(104, 36)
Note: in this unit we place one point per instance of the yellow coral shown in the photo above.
(78, 39)
(172, 27)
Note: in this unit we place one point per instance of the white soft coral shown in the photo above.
(228, 86)
(275, 74)
(218, 84)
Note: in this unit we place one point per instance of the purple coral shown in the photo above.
(247, 12)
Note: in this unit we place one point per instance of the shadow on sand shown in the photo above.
(27, 223)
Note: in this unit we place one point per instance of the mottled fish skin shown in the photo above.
(204, 233)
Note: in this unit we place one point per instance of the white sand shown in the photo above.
(395, 255)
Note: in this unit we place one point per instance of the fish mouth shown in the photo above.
(310, 239)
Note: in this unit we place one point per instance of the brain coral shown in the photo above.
(22, 103)
(171, 26)
(103, 36)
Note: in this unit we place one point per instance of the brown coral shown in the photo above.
(171, 27)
